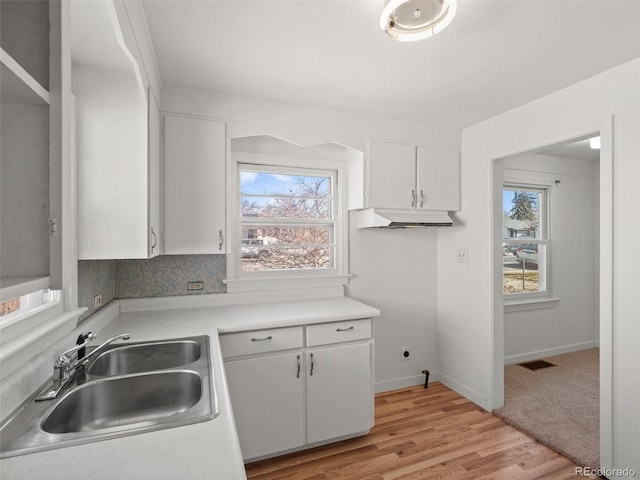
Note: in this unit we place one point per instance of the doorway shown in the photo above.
(602, 243)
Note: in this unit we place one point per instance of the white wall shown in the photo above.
(572, 324)
(394, 271)
(465, 327)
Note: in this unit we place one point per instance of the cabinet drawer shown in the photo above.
(260, 341)
(337, 332)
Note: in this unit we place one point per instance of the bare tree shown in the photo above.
(294, 246)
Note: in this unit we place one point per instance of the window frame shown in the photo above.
(544, 238)
(239, 281)
(294, 171)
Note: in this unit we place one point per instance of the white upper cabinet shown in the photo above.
(118, 142)
(30, 149)
(402, 176)
(195, 199)
(438, 179)
(391, 169)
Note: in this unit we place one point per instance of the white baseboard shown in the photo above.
(550, 352)
(469, 393)
(404, 382)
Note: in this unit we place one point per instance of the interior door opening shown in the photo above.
(560, 300)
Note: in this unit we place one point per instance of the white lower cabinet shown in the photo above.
(339, 391)
(266, 397)
(305, 390)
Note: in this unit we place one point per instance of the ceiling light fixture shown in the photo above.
(411, 20)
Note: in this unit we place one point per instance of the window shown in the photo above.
(16, 309)
(525, 241)
(287, 219)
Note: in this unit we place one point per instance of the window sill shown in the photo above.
(20, 344)
(243, 285)
(13, 287)
(530, 304)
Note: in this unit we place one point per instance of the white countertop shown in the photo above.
(206, 450)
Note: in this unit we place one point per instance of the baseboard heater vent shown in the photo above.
(536, 364)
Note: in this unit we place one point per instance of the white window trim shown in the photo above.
(533, 300)
(238, 281)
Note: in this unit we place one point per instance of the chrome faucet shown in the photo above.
(69, 363)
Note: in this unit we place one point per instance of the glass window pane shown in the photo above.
(298, 205)
(277, 207)
(286, 235)
(521, 213)
(9, 306)
(263, 183)
(285, 258)
(524, 268)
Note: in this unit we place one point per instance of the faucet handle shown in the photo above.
(65, 357)
(83, 339)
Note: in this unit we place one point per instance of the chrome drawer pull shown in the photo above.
(312, 365)
(344, 329)
(298, 374)
(261, 339)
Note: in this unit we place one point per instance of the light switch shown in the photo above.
(462, 255)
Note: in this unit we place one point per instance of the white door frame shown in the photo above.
(605, 128)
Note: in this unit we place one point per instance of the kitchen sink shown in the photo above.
(127, 389)
(136, 358)
(123, 401)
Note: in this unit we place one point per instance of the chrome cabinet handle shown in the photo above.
(312, 364)
(344, 329)
(414, 198)
(261, 339)
(298, 374)
(421, 198)
(221, 237)
(155, 239)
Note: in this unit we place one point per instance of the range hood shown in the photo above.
(389, 218)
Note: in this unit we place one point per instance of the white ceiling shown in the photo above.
(580, 150)
(331, 54)
(93, 40)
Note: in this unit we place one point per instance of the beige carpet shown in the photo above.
(558, 406)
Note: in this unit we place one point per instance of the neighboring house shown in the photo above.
(512, 228)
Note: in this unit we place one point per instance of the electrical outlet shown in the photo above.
(406, 353)
(462, 255)
(198, 285)
(97, 301)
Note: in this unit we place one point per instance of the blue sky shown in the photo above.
(507, 200)
(261, 183)
(255, 182)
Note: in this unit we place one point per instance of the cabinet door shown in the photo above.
(195, 166)
(391, 175)
(438, 179)
(267, 400)
(154, 175)
(112, 164)
(339, 391)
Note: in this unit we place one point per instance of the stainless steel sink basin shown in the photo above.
(122, 401)
(135, 358)
(128, 389)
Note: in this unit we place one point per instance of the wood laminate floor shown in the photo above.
(424, 434)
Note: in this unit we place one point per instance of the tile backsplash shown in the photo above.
(161, 276)
(169, 275)
(94, 277)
